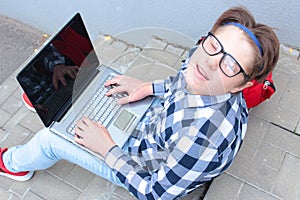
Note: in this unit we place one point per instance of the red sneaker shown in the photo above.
(27, 102)
(19, 176)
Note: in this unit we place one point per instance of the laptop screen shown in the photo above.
(49, 77)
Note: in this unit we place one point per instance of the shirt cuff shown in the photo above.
(158, 87)
(114, 154)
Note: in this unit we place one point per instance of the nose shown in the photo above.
(213, 61)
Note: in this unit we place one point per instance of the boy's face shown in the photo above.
(204, 75)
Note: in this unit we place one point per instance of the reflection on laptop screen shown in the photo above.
(48, 79)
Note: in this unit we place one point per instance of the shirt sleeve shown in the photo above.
(188, 165)
(160, 87)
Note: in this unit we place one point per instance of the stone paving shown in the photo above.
(267, 166)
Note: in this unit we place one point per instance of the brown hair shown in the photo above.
(268, 40)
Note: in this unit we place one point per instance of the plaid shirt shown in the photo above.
(181, 143)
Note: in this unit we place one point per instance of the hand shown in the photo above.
(94, 136)
(135, 88)
(59, 72)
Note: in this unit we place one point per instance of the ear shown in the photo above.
(241, 87)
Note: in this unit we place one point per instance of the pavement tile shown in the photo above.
(18, 93)
(156, 44)
(297, 131)
(16, 118)
(279, 115)
(21, 188)
(287, 184)
(32, 196)
(98, 189)
(175, 49)
(270, 155)
(29, 138)
(109, 50)
(178, 65)
(7, 88)
(253, 137)
(4, 194)
(3, 135)
(61, 169)
(124, 61)
(4, 117)
(140, 61)
(50, 187)
(288, 63)
(157, 72)
(15, 137)
(254, 172)
(5, 183)
(249, 192)
(122, 194)
(219, 189)
(12, 104)
(150, 72)
(31, 121)
(293, 84)
(79, 177)
(290, 100)
(164, 57)
(281, 80)
(284, 140)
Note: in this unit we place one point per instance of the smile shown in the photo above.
(199, 73)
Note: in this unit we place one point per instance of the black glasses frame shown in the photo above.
(224, 54)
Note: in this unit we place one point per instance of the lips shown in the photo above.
(200, 73)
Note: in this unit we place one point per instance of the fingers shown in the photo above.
(115, 90)
(115, 80)
(78, 139)
(81, 126)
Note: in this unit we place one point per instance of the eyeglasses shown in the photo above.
(228, 64)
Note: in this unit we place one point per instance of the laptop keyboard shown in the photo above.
(99, 108)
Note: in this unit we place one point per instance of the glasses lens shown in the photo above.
(211, 45)
(229, 66)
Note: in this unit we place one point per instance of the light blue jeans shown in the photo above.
(46, 148)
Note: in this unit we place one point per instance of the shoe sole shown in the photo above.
(18, 178)
(26, 104)
(29, 107)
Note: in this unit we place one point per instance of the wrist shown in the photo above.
(148, 88)
(107, 148)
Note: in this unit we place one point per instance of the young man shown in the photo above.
(187, 139)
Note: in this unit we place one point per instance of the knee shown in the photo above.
(44, 134)
(46, 138)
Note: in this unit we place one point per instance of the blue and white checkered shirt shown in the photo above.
(181, 143)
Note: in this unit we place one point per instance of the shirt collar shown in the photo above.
(193, 100)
